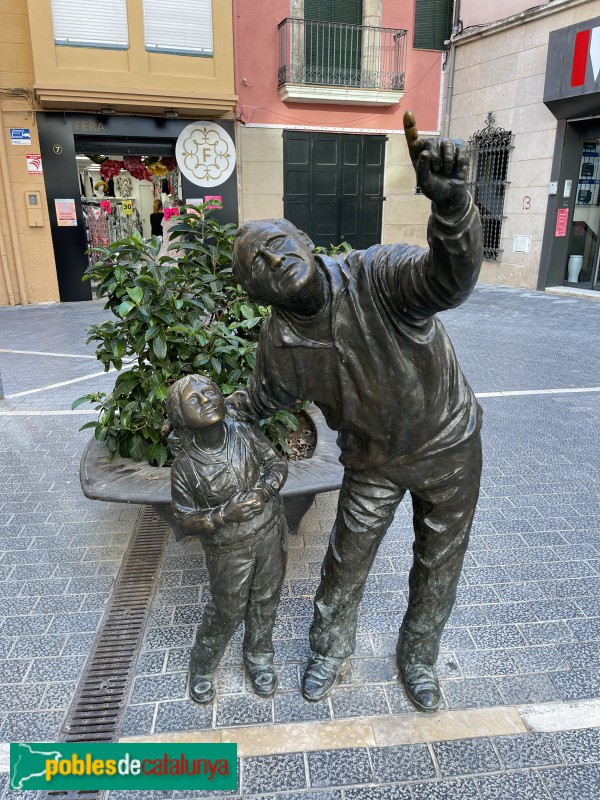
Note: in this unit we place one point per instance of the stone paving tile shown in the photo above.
(409, 762)
(577, 684)
(160, 687)
(580, 782)
(458, 789)
(138, 720)
(472, 693)
(465, 757)
(36, 726)
(292, 707)
(579, 746)
(340, 767)
(274, 773)
(529, 750)
(182, 716)
(243, 710)
(527, 785)
(358, 701)
(525, 689)
(58, 695)
(376, 793)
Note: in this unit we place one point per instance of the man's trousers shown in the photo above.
(444, 489)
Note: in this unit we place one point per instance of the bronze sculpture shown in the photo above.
(225, 483)
(357, 335)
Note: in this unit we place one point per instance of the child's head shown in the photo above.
(157, 206)
(194, 402)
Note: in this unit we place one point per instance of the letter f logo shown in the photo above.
(585, 42)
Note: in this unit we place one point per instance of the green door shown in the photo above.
(332, 48)
(333, 186)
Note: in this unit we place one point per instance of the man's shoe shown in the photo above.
(201, 689)
(321, 675)
(421, 685)
(263, 679)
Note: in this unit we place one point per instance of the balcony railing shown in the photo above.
(336, 54)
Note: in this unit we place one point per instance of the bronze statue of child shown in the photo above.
(225, 483)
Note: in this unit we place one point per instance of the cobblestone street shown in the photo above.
(520, 661)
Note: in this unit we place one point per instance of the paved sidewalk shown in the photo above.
(525, 632)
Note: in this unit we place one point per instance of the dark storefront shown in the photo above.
(571, 247)
(64, 137)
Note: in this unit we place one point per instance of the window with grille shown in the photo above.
(489, 150)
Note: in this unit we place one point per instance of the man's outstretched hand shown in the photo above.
(441, 166)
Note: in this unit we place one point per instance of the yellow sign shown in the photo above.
(127, 207)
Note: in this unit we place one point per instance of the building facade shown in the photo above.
(81, 84)
(322, 89)
(525, 89)
(308, 95)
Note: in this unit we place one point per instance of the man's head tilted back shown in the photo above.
(274, 262)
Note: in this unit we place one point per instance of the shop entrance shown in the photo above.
(583, 258)
(73, 147)
(126, 187)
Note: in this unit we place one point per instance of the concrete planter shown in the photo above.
(126, 481)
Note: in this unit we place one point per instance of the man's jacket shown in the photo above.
(385, 376)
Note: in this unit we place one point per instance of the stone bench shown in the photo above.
(126, 481)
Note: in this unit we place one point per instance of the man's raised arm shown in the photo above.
(425, 281)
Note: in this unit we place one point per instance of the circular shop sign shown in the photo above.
(205, 153)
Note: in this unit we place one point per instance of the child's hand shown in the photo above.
(243, 506)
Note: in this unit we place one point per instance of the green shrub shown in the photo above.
(172, 317)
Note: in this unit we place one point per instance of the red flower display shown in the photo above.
(135, 167)
(170, 162)
(110, 168)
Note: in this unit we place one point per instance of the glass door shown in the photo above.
(584, 252)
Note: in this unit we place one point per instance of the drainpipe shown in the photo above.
(12, 219)
(451, 68)
(7, 279)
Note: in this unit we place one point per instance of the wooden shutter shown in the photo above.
(90, 23)
(433, 24)
(183, 27)
(348, 11)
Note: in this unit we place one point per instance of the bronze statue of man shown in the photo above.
(357, 335)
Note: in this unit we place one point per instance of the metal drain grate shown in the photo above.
(98, 706)
(97, 709)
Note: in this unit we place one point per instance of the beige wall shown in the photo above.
(503, 72)
(36, 75)
(28, 272)
(405, 213)
(260, 173)
(85, 78)
(479, 12)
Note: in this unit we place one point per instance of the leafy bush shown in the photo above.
(173, 316)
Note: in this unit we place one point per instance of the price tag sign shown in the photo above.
(127, 206)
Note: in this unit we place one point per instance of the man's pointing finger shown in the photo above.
(415, 145)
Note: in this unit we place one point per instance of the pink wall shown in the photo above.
(257, 62)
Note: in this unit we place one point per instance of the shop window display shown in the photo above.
(118, 195)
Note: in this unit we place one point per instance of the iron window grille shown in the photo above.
(339, 54)
(489, 151)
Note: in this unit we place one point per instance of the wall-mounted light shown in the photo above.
(108, 110)
(171, 113)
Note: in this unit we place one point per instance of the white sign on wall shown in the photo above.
(205, 153)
